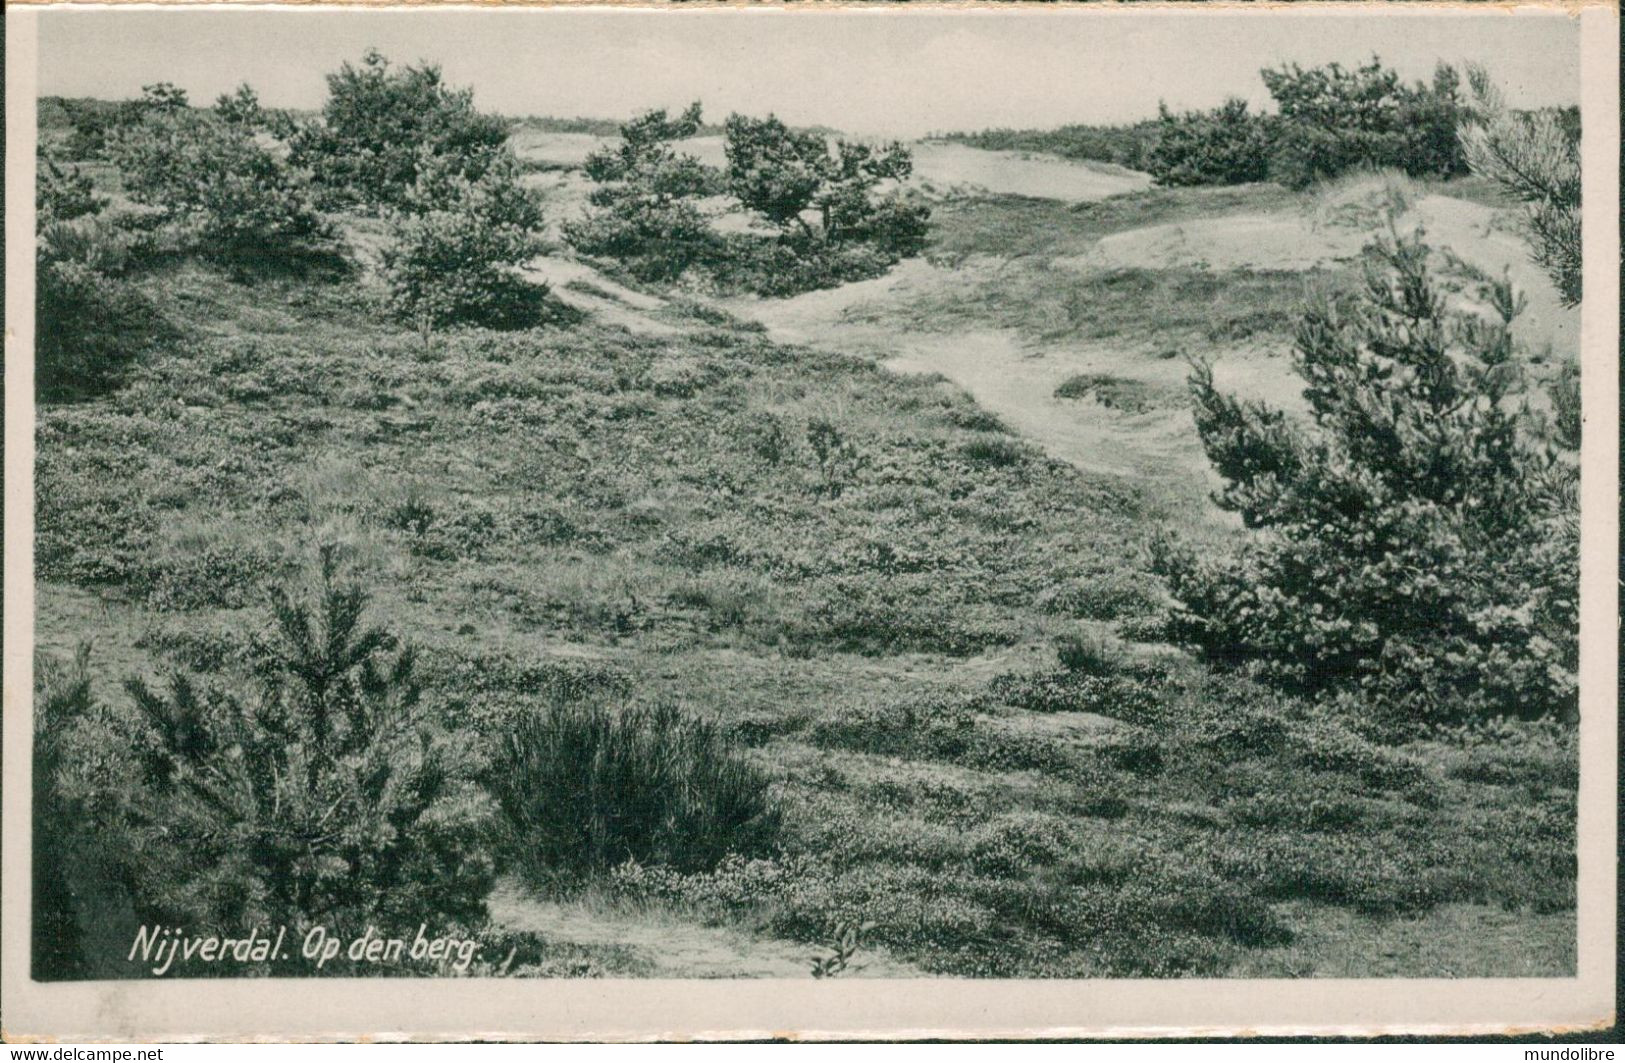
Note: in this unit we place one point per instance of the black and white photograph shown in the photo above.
(806, 497)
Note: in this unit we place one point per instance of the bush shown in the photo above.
(312, 793)
(584, 787)
(1129, 145)
(1328, 120)
(646, 215)
(1418, 541)
(1536, 158)
(380, 125)
(220, 187)
(779, 268)
(63, 194)
(88, 121)
(783, 176)
(457, 247)
(1225, 146)
(76, 887)
(1332, 120)
(90, 321)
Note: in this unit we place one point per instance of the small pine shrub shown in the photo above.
(63, 193)
(584, 786)
(1418, 539)
(76, 885)
(380, 125)
(1536, 157)
(222, 190)
(458, 247)
(644, 197)
(1329, 120)
(312, 792)
(1333, 119)
(91, 321)
(1226, 146)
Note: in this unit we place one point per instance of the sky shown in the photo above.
(886, 71)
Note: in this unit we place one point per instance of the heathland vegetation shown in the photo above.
(413, 584)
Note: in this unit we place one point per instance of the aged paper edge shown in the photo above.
(641, 1010)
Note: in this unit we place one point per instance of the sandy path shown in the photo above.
(1016, 378)
(1008, 375)
(610, 302)
(676, 949)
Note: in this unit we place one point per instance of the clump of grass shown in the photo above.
(1117, 393)
(585, 787)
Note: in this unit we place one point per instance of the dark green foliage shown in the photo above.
(1128, 145)
(787, 176)
(458, 246)
(645, 193)
(63, 193)
(1329, 120)
(80, 126)
(1536, 157)
(1332, 119)
(242, 108)
(786, 267)
(584, 786)
(220, 188)
(830, 224)
(1225, 146)
(91, 321)
(380, 126)
(69, 878)
(314, 792)
(1421, 542)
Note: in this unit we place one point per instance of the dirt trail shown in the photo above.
(1008, 375)
(674, 948)
(597, 295)
(1016, 377)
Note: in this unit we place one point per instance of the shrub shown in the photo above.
(90, 321)
(783, 176)
(1329, 120)
(1129, 145)
(63, 194)
(76, 887)
(778, 268)
(241, 108)
(584, 787)
(1333, 119)
(645, 195)
(220, 187)
(312, 793)
(1225, 146)
(89, 121)
(1417, 540)
(456, 250)
(1536, 157)
(380, 125)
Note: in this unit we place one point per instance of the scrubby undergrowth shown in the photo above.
(776, 536)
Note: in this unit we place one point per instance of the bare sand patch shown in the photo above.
(957, 168)
(1331, 231)
(1241, 241)
(673, 947)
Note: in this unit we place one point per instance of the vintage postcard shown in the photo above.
(609, 523)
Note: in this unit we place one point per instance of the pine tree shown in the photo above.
(1416, 541)
(315, 791)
